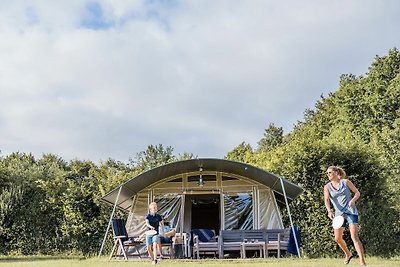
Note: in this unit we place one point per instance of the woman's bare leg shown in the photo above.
(342, 244)
(357, 243)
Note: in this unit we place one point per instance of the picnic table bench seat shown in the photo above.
(204, 240)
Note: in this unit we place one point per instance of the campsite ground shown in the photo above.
(103, 262)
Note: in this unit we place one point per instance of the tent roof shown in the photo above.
(143, 180)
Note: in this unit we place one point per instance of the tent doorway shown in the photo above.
(205, 212)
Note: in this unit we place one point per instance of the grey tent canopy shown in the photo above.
(131, 187)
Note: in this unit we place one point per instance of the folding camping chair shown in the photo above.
(168, 241)
(169, 245)
(121, 240)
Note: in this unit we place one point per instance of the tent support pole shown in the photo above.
(290, 217)
(109, 222)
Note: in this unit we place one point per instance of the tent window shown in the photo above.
(238, 211)
(177, 180)
(205, 178)
(227, 178)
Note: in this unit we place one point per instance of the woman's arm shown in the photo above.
(354, 189)
(327, 202)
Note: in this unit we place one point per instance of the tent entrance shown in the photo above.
(205, 211)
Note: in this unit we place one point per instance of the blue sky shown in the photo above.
(105, 79)
(95, 18)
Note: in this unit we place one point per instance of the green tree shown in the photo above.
(273, 136)
(27, 226)
(152, 157)
(242, 152)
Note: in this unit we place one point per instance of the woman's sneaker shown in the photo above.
(154, 262)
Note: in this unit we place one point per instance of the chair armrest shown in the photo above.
(134, 238)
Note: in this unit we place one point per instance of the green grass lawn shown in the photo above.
(273, 262)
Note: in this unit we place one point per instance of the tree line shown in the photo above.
(50, 206)
(356, 127)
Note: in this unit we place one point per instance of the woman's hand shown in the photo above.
(330, 214)
(352, 203)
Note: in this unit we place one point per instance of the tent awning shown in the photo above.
(131, 187)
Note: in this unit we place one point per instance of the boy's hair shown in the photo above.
(152, 204)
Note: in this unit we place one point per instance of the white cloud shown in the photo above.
(103, 79)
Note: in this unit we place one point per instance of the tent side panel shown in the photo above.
(169, 206)
(135, 225)
(270, 217)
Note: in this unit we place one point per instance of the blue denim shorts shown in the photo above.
(350, 218)
(151, 239)
(165, 240)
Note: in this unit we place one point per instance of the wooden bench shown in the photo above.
(276, 240)
(230, 240)
(199, 246)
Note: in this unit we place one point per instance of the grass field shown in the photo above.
(103, 262)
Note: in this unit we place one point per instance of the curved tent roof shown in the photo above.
(131, 187)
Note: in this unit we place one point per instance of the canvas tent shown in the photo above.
(205, 193)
